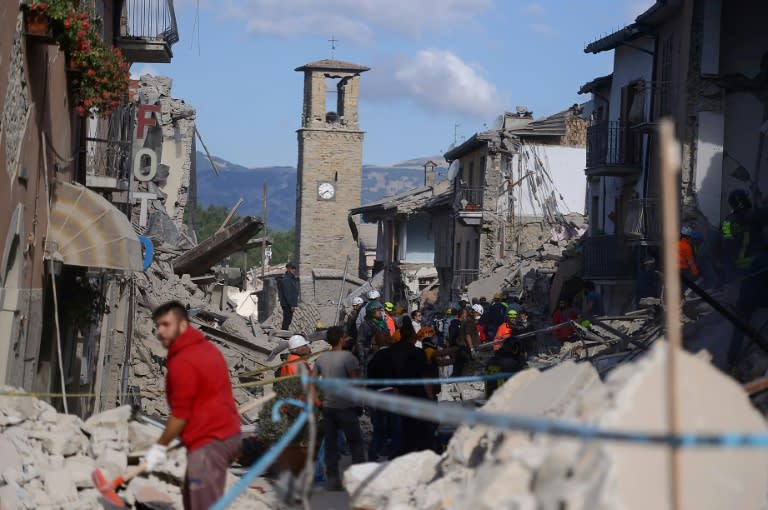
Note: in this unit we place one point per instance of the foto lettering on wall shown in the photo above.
(146, 117)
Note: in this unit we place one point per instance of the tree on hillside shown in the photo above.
(209, 219)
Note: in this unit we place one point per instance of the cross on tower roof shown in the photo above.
(333, 42)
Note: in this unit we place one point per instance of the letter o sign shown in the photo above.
(141, 176)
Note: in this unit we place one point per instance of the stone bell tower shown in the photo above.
(329, 172)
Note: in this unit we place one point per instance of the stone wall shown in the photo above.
(324, 238)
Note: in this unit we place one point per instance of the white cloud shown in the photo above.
(352, 21)
(534, 9)
(543, 29)
(437, 79)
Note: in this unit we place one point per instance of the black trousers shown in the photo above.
(287, 317)
(345, 420)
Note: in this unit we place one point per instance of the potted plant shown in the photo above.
(294, 457)
(36, 20)
(39, 16)
(103, 73)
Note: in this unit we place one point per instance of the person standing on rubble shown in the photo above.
(339, 414)
(593, 302)
(350, 327)
(288, 292)
(389, 319)
(372, 295)
(563, 314)
(495, 316)
(203, 410)
(468, 338)
(745, 256)
(686, 260)
(373, 323)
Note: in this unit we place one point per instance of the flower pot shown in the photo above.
(293, 458)
(36, 23)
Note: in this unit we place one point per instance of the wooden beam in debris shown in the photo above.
(198, 260)
(229, 338)
(756, 386)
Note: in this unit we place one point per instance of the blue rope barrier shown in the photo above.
(268, 458)
(414, 382)
(455, 415)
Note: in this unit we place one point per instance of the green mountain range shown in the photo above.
(237, 181)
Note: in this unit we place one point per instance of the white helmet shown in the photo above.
(357, 301)
(373, 294)
(686, 231)
(478, 309)
(297, 341)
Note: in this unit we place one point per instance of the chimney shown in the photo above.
(429, 173)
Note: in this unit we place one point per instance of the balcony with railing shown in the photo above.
(463, 277)
(643, 221)
(469, 204)
(147, 31)
(108, 151)
(613, 149)
(607, 258)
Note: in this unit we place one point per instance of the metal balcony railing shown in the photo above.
(152, 20)
(607, 258)
(470, 198)
(108, 150)
(643, 220)
(463, 277)
(612, 143)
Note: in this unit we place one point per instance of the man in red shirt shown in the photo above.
(562, 314)
(203, 409)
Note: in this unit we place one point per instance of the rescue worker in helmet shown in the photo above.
(744, 256)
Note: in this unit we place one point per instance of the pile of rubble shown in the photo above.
(488, 468)
(46, 460)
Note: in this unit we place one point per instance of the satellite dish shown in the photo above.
(453, 170)
(498, 123)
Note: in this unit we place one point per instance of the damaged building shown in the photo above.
(508, 188)
(66, 227)
(702, 64)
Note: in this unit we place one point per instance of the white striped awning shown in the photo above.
(86, 230)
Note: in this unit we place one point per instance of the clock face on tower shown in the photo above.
(326, 191)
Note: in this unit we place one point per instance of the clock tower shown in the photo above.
(329, 171)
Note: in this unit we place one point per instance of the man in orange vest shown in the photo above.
(687, 262)
(506, 330)
(299, 348)
(389, 309)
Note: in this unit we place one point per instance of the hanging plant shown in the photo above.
(104, 73)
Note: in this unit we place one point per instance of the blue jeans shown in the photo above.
(386, 429)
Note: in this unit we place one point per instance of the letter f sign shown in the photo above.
(145, 120)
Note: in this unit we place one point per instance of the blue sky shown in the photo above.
(436, 63)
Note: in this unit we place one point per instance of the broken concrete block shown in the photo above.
(64, 437)
(141, 436)
(11, 497)
(80, 468)
(710, 402)
(379, 485)
(112, 462)
(141, 369)
(9, 456)
(60, 487)
(446, 491)
(117, 416)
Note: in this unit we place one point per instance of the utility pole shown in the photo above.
(456, 133)
(264, 233)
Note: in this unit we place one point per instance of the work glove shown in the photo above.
(156, 457)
